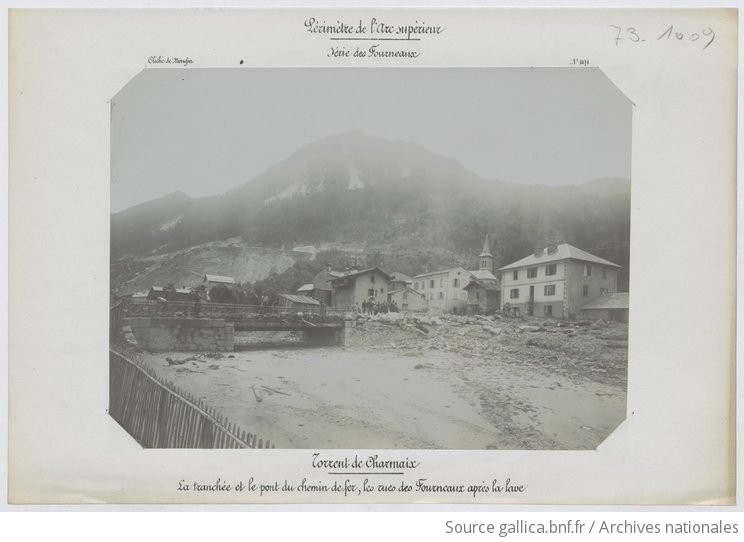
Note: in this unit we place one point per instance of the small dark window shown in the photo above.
(515, 275)
(532, 272)
(431, 283)
(514, 293)
(550, 270)
(586, 291)
(549, 289)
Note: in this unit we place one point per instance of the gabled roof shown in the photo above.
(306, 288)
(302, 299)
(400, 277)
(218, 278)
(157, 289)
(408, 288)
(483, 274)
(563, 251)
(486, 285)
(442, 271)
(608, 301)
(354, 274)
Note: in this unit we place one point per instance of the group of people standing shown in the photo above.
(372, 307)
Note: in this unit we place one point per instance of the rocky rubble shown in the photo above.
(578, 350)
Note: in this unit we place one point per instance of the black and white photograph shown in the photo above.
(370, 258)
(249, 266)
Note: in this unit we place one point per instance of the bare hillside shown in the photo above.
(187, 267)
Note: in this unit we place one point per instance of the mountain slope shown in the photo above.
(384, 196)
(334, 167)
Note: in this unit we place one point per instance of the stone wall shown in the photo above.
(182, 334)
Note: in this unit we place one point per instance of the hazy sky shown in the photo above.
(204, 131)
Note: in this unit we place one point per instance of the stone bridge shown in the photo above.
(169, 334)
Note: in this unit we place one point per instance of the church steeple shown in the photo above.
(486, 258)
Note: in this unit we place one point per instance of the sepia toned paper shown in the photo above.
(677, 67)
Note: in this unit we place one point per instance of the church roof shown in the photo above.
(486, 248)
(486, 285)
(483, 274)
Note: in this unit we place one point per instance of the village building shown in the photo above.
(408, 300)
(170, 293)
(609, 306)
(181, 294)
(484, 297)
(353, 288)
(556, 281)
(307, 289)
(444, 290)
(299, 302)
(484, 289)
(157, 292)
(210, 281)
(322, 288)
(399, 281)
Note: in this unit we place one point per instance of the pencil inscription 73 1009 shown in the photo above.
(632, 34)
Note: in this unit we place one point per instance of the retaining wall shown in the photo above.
(183, 334)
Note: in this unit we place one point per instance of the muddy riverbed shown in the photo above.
(460, 385)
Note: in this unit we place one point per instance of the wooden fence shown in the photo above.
(116, 314)
(158, 414)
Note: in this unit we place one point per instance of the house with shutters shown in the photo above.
(444, 290)
(556, 281)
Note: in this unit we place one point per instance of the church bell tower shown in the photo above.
(486, 258)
